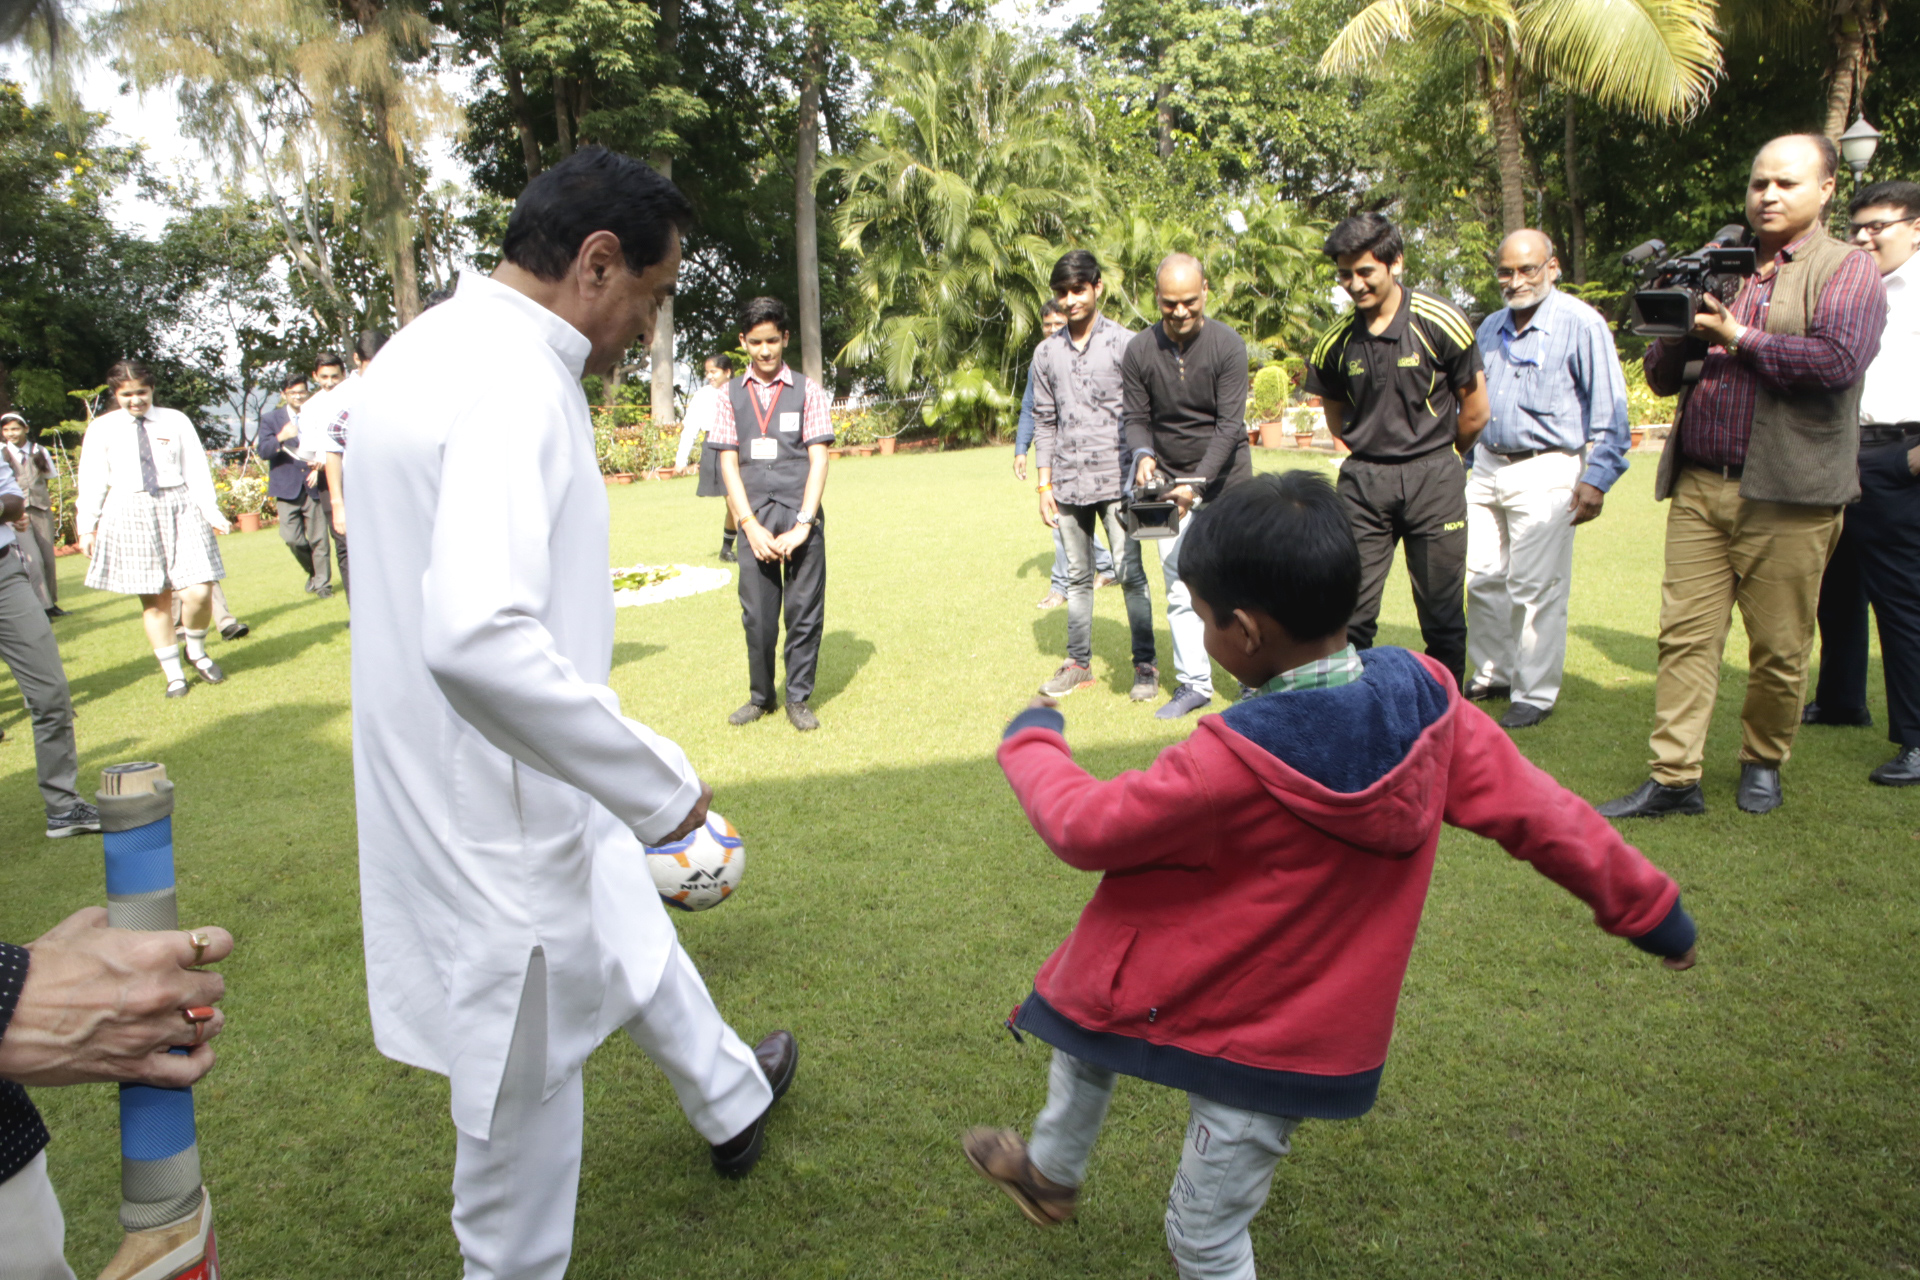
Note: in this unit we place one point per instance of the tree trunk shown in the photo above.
(1163, 118)
(1504, 104)
(806, 235)
(666, 39)
(1853, 23)
(1576, 203)
(406, 275)
(522, 120)
(560, 120)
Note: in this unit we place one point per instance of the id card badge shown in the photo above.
(763, 449)
(789, 423)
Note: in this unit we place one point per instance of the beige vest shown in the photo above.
(1805, 445)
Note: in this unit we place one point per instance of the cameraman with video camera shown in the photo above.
(1759, 465)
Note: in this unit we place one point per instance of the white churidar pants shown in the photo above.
(1191, 662)
(1226, 1165)
(34, 1232)
(1519, 571)
(513, 1194)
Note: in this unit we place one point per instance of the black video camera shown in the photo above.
(1672, 290)
(1147, 511)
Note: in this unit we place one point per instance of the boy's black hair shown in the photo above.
(294, 378)
(1280, 544)
(122, 372)
(761, 311)
(1051, 307)
(594, 190)
(1904, 196)
(326, 358)
(367, 343)
(1075, 268)
(1365, 233)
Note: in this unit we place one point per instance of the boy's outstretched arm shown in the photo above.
(1496, 792)
(1160, 817)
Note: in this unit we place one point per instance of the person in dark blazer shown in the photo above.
(303, 517)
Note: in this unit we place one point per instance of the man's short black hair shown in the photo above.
(367, 343)
(761, 311)
(1051, 307)
(326, 358)
(294, 378)
(1365, 233)
(1280, 544)
(1904, 196)
(1076, 267)
(594, 190)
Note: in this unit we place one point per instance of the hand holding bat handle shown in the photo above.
(164, 1205)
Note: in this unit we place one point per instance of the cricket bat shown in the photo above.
(164, 1206)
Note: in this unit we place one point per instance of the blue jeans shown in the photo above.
(1076, 528)
(1102, 563)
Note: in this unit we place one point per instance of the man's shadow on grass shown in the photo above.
(1040, 564)
(842, 655)
(626, 651)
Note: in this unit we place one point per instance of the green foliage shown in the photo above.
(1644, 408)
(1269, 393)
(969, 405)
(972, 177)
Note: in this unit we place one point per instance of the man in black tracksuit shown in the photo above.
(1400, 382)
(771, 431)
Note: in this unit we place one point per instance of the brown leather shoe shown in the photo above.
(779, 1058)
(1001, 1158)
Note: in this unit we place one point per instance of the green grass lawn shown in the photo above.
(1556, 1103)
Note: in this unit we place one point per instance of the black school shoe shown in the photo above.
(801, 717)
(779, 1057)
(1655, 801)
(747, 714)
(1759, 789)
(1858, 717)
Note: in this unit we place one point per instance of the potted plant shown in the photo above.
(1269, 394)
(1302, 426)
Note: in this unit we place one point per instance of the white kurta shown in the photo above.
(499, 789)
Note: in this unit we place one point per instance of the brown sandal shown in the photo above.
(1001, 1158)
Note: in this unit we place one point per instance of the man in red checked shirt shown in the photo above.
(1762, 459)
(771, 431)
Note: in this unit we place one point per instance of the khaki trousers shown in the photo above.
(1766, 557)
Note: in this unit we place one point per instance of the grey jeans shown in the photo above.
(1226, 1165)
(28, 648)
(303, 526)
(1102, 564)
(1076, 529)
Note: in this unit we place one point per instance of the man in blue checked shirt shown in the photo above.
(1556, 443)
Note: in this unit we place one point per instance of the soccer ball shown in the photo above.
(700, 870)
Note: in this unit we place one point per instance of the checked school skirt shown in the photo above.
(150, 543)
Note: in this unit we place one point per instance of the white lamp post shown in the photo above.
(1857, 146)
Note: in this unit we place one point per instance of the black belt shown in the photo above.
(1873, 435)
(1521, 455)
(1733, 472)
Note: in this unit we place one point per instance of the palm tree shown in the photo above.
(975, 170)
(1657, 59)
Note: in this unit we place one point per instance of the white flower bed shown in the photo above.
(665, 582)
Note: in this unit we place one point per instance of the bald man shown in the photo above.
(1183, 399)
(1555, 443)
(1762, 459)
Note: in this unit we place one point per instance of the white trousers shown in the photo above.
(1226, 1165)
(1191, 662)
(35, 1234)
(513, 1194)
(1519, 571)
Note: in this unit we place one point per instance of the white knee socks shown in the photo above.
(170, 661)
(196, 645)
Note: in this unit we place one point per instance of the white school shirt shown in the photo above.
(318, 414)
(110, 464)
(1891, 391)
(502, 796)
(700, 414)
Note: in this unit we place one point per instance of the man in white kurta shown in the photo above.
(510, 920)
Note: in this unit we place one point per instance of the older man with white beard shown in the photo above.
(1555, 444)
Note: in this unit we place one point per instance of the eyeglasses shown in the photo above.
(1875, 228)
(1523, 273)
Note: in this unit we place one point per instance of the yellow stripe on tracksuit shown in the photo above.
(1324, 343)
(1451, 322)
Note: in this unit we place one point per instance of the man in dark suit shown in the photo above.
(303, 517)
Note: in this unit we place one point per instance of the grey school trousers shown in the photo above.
(36, 1230)
(1226, 1165)
(28, 648)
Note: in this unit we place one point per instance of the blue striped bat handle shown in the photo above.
(159, 1154)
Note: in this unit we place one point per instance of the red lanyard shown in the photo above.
(754, 400)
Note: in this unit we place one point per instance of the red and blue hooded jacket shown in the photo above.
(1263, 881)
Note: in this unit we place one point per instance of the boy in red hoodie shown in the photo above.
(1263, 881)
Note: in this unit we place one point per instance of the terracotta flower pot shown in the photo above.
(1273, 435)
(1638, 436)
(863, 451)
(619, 477)
(249, 521)
(886, 444)
(1303, 439)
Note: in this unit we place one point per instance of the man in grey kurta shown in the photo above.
(1082, 469)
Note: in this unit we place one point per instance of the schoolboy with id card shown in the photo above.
(771, 432)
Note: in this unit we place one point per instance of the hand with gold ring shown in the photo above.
(102, 1004)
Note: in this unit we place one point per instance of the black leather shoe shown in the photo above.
(1524, 715)
(1901, 771)
(1483, 692)
(235, 630)
(1759, 788)
(747, 714)
(779, 1057)
(801, 717)
(1817, 714)
(1655, 801)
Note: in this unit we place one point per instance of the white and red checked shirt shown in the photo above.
(816, 416)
